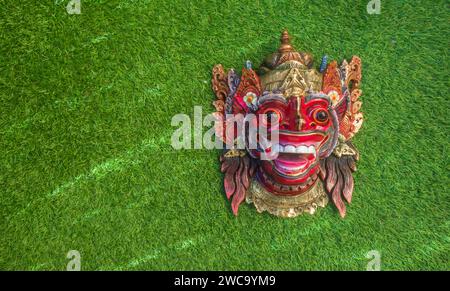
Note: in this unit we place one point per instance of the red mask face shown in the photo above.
(305, 135)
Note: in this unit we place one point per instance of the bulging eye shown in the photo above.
(321, 116)
(272, 116)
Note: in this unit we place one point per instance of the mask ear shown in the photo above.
(353, 119)
(342, 86)
(331, 80)
(332, 85)
(247, 94)
(337, 169)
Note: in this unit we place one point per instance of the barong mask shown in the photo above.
(315, 114)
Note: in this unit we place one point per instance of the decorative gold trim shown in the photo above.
(287, 206)
(293, 78)
(234, 153)
(343, 149)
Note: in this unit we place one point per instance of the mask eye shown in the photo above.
(321, 116)
(272, 116)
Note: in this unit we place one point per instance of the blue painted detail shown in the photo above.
(323, 64)
(248, 65)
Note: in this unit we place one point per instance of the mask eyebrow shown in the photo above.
(317, 96)
(271, 97)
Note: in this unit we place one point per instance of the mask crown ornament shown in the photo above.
(317, 114)
(285, 42)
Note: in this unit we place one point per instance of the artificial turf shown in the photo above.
(85, 156)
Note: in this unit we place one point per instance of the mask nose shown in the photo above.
(296, 120)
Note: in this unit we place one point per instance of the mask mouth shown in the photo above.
(294, 160)
(297, 153)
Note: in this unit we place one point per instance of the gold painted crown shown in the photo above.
(289, 71)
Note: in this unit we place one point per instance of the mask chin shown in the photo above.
(275, 171)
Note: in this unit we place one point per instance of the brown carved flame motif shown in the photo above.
(336, 170)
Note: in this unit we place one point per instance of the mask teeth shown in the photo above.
(294, 149)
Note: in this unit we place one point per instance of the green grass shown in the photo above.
(85, 155)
